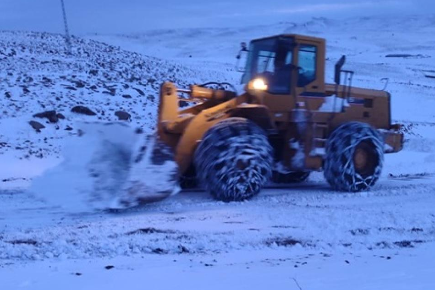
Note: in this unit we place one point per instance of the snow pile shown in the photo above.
(93, 170)
(110, 165)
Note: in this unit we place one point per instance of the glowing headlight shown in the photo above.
(259, 84)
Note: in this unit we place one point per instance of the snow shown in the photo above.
(258, 270)
(303, 237)
(100, 145)
(85, 183)
(333, 104)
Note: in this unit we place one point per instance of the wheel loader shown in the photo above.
(285, 124)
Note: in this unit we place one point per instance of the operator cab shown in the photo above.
(286, 62)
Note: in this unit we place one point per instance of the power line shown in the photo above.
(67, 36)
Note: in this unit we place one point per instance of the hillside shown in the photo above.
(38, 75)
(366, 41)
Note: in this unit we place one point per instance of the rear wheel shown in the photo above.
(234, 160)
(354, 157)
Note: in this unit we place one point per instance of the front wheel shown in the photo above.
(234, 160)
(354, 157)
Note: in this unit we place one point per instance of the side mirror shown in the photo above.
(338, 67)
(242, 57)
(243, 49)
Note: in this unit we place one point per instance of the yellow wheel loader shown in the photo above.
(287, 123)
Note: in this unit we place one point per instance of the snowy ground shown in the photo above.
(305, 237)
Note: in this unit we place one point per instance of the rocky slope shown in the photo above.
(44, 89)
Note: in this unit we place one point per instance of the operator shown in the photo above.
(280, 82)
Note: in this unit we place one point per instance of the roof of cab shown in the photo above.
(296, 36)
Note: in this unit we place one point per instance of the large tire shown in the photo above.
(354, 157)
(234, 160)
(289, 177)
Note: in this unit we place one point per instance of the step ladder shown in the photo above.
(318, 142)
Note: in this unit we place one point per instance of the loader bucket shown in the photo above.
(153, 174)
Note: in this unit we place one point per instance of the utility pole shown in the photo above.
(67, 36)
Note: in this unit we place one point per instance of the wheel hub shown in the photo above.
(364, 159)
(360, 159)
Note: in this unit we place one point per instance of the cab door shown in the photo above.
(310, 84)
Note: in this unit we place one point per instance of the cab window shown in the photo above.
(264, 63)
(272, 60)
(307, 64)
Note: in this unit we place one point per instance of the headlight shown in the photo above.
(258, 84)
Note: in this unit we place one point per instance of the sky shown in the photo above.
(129, 16)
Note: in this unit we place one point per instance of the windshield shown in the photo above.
(271, 59)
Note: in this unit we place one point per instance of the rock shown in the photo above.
(124, 116)
(83, 110)
(50, 115)
(46, 80)
(25, 90)
(28, 79)
(406, 55)
(68, 128)
(126, 96)
(37, 126)
(79, 84)
(60, 116)
(151, 98)
(139, 91)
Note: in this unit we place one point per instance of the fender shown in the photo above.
(259, 114)
(196, 129)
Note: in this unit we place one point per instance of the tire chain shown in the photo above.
(339, 169)
(233, 143)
